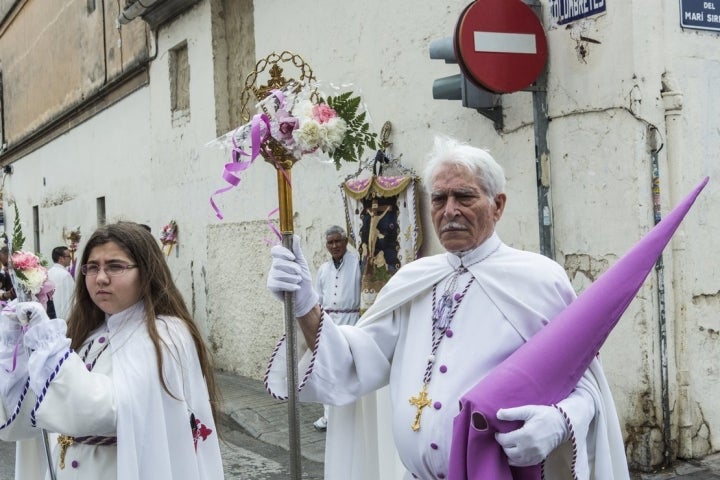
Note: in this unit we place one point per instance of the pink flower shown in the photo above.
(322, 112)
(25, 260)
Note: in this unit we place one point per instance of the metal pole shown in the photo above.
(662, 318)
(542, 167)
(542, 154)
(287, 230)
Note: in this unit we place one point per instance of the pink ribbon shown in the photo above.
(7, 309)
(258, 136)
(16, 350)
(273, 228)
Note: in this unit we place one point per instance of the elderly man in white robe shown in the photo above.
(338, 286)
(439, 325)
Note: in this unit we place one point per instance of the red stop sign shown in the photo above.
(500, 45)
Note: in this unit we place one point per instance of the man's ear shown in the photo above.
(499, 200)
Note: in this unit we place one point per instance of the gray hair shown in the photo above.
(448, 151)
(336, 230)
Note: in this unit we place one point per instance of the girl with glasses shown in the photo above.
(127, 382)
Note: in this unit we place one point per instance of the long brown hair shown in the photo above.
(159, 292)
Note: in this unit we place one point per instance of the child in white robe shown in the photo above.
(124, 389)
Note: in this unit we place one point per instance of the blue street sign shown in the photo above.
(700, 14)
(566, 11)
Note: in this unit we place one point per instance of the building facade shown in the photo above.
(108, 118)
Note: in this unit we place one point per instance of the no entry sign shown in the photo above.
(500, 45)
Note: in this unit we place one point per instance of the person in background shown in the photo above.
(438, 326)
(126, 382)
(64, 282)
(7, 291)
(338, 284)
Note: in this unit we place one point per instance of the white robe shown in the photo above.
(64, 288)
(514, 294)
(121, 396)
(339, 289)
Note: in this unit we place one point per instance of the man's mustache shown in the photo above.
(453, 226)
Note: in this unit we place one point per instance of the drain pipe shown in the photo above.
(673, 103)
(135, 10)
(655, 147)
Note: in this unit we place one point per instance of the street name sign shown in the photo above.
(566, 11)
(700, 14)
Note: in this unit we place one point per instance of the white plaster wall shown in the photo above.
(103, 157)
(603, 106)
(693, 59)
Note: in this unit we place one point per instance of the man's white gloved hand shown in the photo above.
(544, 429)
(289, 272)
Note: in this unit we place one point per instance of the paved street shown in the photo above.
(243, 458)
(7, 460)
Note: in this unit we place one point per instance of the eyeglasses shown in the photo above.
(111, 269)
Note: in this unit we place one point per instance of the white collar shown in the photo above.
(480, 253)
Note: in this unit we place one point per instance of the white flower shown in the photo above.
(335, 130)
(309, 135)
(303, 110)
(35, 279)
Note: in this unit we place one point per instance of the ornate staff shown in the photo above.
(275, 154)
(295, 121)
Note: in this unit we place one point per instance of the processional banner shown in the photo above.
(383, 225)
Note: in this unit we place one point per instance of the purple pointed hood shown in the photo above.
(547, 367)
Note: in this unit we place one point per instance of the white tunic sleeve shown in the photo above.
(346, 364)
(78, 402)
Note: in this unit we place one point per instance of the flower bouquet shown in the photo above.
(30, 274)
(168, 236)
(296, 119)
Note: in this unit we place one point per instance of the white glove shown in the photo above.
(47, 340)
(42, 331)
(13, 358)
(543, 431)
(10, 328)
(289, 272)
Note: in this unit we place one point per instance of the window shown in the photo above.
(179, 84)
(36, 227)
(3, 144)
(100, 211)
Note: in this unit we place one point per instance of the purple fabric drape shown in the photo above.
(547, 367)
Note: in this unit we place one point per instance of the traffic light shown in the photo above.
(458, 87)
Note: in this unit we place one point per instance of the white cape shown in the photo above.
(153, 435)
(369, 453)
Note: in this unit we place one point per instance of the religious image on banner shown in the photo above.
(383, 222)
